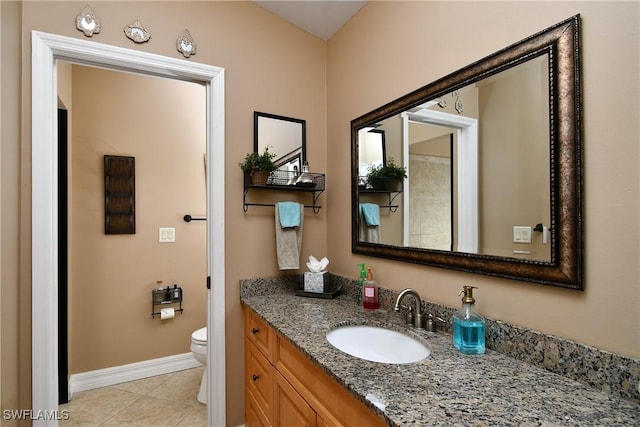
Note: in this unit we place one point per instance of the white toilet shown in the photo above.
(199, 350)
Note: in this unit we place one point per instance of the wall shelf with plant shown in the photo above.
(260, 173)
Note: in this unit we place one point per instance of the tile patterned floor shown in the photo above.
(164, 400)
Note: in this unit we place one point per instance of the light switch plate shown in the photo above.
(521, 234)
(167, 235)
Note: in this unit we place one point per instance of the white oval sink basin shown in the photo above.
(377, 344)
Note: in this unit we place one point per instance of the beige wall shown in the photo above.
(162, 124)
(607, 313)
(13, 344)
(272, 66)
(515, 147)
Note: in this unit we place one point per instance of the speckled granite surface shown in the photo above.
(446, 388)
(603, 370)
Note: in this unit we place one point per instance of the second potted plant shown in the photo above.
(258, 166)
(387, 177)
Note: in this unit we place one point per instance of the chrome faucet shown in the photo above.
(417, 308)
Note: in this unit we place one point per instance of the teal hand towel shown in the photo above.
(289, 213)
(370, 213)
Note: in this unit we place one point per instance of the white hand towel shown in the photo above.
(288, 242)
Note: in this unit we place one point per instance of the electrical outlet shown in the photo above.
(167, 235)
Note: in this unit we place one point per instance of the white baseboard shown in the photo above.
(130, 372)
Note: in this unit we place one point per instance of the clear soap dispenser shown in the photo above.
(468, 325)
(370, 292)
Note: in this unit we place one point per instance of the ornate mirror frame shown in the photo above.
(565, 268)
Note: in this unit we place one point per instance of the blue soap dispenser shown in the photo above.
(468, 325)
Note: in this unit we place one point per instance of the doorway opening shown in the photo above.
(158, 127)
(47, 49)
(63, 257)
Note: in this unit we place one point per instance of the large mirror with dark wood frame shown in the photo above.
(492, 156)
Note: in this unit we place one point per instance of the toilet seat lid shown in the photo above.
(200, 335)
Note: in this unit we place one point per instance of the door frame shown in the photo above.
(47, 49)
(466, 171)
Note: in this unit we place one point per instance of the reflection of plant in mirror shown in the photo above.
(388, 170)
(259, 162)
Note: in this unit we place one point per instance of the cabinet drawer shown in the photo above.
(332, 402)
(258, 332)
(258, 382)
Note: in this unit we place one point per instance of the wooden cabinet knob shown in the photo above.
(255, 331)
(255, 377)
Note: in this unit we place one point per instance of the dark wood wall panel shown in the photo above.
(119, 195)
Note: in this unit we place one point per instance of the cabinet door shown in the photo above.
(320, 422)
(258, 381)
(254, 417)
(290, 409)
(330, 400)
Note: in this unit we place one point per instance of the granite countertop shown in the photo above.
(446, 388)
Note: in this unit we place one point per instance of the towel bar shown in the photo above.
(189, 218)
(245, 206)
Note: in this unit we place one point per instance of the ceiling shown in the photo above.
(321, 18)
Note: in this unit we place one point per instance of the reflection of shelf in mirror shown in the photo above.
(391, 196)
(279, 180)
(373, 190)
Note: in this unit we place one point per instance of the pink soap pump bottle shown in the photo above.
(370, 292)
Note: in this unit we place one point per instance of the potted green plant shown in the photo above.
(258, 166)
(388, 176)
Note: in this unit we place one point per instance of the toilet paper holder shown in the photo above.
(165, 296)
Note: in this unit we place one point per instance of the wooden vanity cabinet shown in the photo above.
(258, 386)
(258, 371)
(285, 388)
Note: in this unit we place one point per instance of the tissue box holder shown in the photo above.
(316, 282)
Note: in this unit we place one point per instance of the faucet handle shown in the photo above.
(431, 322)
